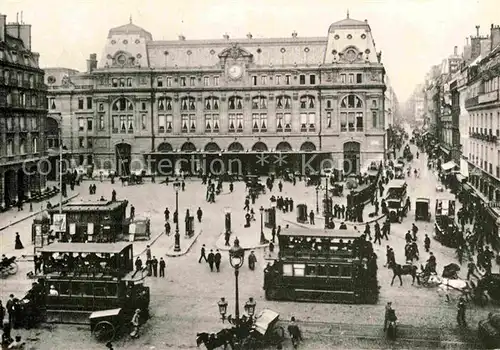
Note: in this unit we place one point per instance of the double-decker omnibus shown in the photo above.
(323, 265)
(79, 278)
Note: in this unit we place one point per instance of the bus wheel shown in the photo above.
(290, 294)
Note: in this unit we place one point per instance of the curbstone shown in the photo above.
(181, 253)
(150, 244)
(36, 213)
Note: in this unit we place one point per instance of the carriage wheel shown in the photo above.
(277, 336)
(12, 269)
(104, 331)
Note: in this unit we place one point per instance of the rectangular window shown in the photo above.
(10, 148)
(279, 122)
(374, 103)
(142, 80)
(206, 81)
(90, 144)
(192, 123)
(288, 79)
(263, 80)
(101, 107)
(162, 124)
(277, 79)
(90, 124)
(192, 81)
(208, 123)
(287, 270)
(115, 123)
(263, 122)
(328, 120)
(254, 80)
(288, 122)
(89, 102)
(302, 79)
(359, 121)
(216, 81)
(80, 103)
(169, 81)
(183, 81)
(312, 121)
(22, 122)
(159, 82)
(216, 122)
(255, 122)
(232, 122)
(129, 82)
(299, 269)
(122, 82)
(81, 142)
(169, 122)
(343, 121)
(359, 78)
(303, 121)
(342, 78)
(351, 78)
(130, 124)
(312, 79)
(350, 121)
(81, 125)
(143, 121)
(239, 122)
(101, 122)
(52, 103)
(374, 119)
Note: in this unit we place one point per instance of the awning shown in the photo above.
(448, 166)
(464, 168)
(444, 149)
(460, 177)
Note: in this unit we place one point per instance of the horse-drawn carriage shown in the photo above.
(132, 179)
(254, 185)
(8, 266)
(337, 190)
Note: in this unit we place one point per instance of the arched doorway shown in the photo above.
(187, 163)
(123, 158)
(212, 160)
(22, 184)
(283, 147)
(259, 147)
(212, 147)
(235, 147)
(9, 182)
(351, 157)
(165, 147)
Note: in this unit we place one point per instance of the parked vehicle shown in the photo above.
(422, 209)
(396, 200)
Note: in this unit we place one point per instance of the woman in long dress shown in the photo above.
(19, 244)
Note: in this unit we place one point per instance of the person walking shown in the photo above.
(217, 260)
(18, 243)
(138, 264)
(136, 322)
(471, 269)
(414, 230)
(167, 214)
(461, 308)
(211, 260)
(202, 254)
(368, 231)
(2, 312)
(378, 237)
(280, 186)
(252, 259)
(162, 267)
(295, 333)
(154, 263)
(311, 217)
(427, 243)
(199, 214)
(167, 228)
(132, 212)
(148, 253)
(10, 305)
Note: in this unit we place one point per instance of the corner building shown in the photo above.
(302, 98)
(23, 115)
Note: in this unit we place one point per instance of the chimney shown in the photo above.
(226, 36)
(92, 63)
(294, 34)
(249, 36)
(20, 31)
(467, 41)
(455, 51)
(3, 22)
(494, 36)
(182, 37)
(477, 30)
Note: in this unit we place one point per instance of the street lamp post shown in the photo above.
(317, 204)
(262, 237)
(327, 205)
(273, 207)
(177, 236)
(227, 219)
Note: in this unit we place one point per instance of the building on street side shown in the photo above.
(22, 115)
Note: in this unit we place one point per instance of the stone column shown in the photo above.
(13, 188)
(27, 187)
(2, 190)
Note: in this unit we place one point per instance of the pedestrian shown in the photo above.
(136, 322)
(247, 204)
(167, 228)
(10, 305)
(183, 185)
(414, 230)
(199, 214)
(295, 333)
(273, 235)
(471, 269)
(427, 243)
(231, 187)
(280, 186)
(202, 254)
(109, 346)
(211, 260)
(2, 312)
(154, 262)
(167, 214)
(368, 231)
(162, 267)
(138, 264)
(113, 196)
(18, 243)
(148, 252)
(132, 212)
(252, 259)
(461, 308)
(311, 217)
(378, 237)
(217, 260)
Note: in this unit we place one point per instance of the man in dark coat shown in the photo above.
(199, 214)
(11, 310)
(217, 260)
(162, 267)
(202, 254)
(154, 264)
(138, 264)
(427, 243)
(211, 260)
(167, 214)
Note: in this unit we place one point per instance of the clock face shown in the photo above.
(235, 71)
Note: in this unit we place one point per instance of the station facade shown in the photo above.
(292, 101)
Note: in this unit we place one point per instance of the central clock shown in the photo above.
(235, 71)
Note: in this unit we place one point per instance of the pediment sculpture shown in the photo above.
(235, 52)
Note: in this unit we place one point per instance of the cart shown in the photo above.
(105, 324)
(422, 211)
(265, 331)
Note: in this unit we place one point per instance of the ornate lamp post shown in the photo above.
(177, 236)
(327, 204)
(317, 204)
(236, 259)
(250, 307)
(262, 237)
(222, 303)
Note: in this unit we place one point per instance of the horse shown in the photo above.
(215, 340)
(402, 270)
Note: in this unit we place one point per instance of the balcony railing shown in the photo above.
(483, 98)
(484, 137)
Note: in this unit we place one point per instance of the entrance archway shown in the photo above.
(8, 187)
(165, 147)
(123, 158)
(352, 152)
(235, 147)
(22, 183)
(188, 147)
(308, 147)
(259, 147)
(283, 147)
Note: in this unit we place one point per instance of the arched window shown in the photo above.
(188, 103)
(164, 104)
(351, 114)
(235, 102)
(259, 102)
(22, 146)
(211, 103)
(34, 145)
(122, 112)
(283, 102)
(307, 102)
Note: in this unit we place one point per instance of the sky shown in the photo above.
(413, 35)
